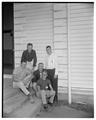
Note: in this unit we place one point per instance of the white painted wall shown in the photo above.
(32, 23)
(81, 47)
(42, 24)
(60, 43)
(50, 23)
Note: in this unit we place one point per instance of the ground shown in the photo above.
(64, 110)
(16, 104)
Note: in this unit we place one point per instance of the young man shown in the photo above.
(45, 89)
(37, 75)
(22, 78)
(52, 69)
(29, 55)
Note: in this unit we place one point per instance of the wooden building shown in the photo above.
(68, 28)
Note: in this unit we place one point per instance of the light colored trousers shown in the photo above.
(47, 94)
(30, 65)
(23, 85)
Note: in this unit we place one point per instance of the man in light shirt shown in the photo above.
(22, 77)
(52, 69)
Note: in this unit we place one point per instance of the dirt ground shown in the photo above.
(64, 110)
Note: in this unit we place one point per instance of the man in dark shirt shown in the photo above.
(29, 55)
(43, 85)
(37, 75)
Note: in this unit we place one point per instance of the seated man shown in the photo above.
(43, 85)
(22, 78)
(37, 76)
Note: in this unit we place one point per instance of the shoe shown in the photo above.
(51, 104)
(31, 99)
(45, 107)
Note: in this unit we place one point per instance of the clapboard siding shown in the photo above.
(32, 23)
(81, 48)
(47, 24)
(60, 43)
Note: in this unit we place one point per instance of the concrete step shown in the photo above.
(7, 82)
(9, 92)
(27, 110)
(13, 103)
(16, 104)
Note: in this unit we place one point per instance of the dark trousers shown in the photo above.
(54, 82)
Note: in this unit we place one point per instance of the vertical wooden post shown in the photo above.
(69, 66)
(53, 24)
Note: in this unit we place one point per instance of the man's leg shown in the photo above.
(44, 101)
(55, 87)
(51, 94)
(43, 96)
(27, 80)
(51, 75)
(30, 88)
(34, 86)
(23, 88)
(54, 82)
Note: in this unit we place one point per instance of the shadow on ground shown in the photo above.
(64, 110)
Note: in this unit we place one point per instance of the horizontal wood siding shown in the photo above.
(32, 23)
(60, 43)
(81, 47)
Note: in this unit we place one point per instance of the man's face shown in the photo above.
(29, 48)
(44, 75)
(48, 50)
(23, 65)
(40, 67)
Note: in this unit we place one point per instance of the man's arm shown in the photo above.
(46, 62)
(38, 85)
(23, 56)
(35, 59)
(50, 86)
(56, 66)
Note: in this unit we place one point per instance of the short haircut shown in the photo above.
(48, 46)
(40, 63)
(23, 61)
(29, 44)
(45, 71)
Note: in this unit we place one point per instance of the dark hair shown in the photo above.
(48, 46)
(29, 44)
(40, 63)
(23, 60)
(45, 71)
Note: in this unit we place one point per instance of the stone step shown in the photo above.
(13, 103)
(27, 110)
(9, 92)
(16, 104)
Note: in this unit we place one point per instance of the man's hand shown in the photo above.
(34, 68)
(38, 88)
(55, 76)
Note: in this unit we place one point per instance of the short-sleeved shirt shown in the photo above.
(43, 83)
(19, 73)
